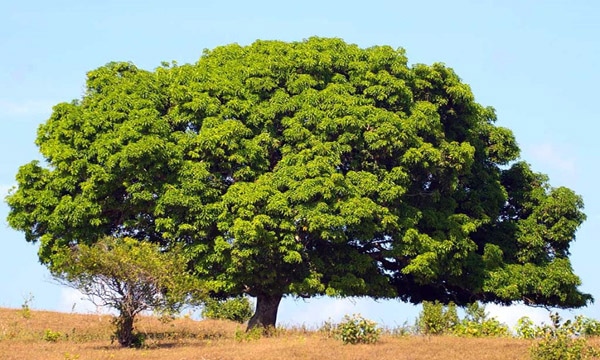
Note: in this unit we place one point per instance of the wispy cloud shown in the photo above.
(17, 109)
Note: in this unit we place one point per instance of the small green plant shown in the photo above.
(357, 330)
(26, 307)
(586, 326)
(69, 356)
(252, 334)
(52, 336)
(561, 341)
(237, 309)
(328, 328)
(477, 323)
(526, 329)
(435, 318)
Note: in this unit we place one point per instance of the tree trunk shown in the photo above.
(124, 332)
(265, 315)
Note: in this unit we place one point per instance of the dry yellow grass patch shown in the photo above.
(88, 337)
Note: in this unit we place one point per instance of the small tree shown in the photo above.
(436, 318)
(129, 276)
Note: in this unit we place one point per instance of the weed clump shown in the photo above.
(356, 329)
(52, 336)
(563, 341)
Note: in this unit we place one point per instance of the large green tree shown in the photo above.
(305, 168)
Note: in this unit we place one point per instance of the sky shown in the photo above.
(535, 62)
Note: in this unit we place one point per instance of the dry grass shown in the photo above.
(88, 337)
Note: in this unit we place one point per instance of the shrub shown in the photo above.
(250, 335)
(562, 342)
(356, 330)
(237, 309)
(26, 307)
(526, 329)
(435, 318)
(586, 326)
(52, 336)
(477, 324)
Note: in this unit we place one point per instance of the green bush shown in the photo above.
(477, 324)
(357, 330)
(235, 309)
(253, 334)
(52, 336)
(562, 342)
(26, 307)
(586, 326)
(436, 318)
(526, 329)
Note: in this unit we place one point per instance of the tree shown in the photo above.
(303, 169)
(128, 276)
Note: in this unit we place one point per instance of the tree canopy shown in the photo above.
(304, 168)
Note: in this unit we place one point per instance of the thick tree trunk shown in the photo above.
(265, 315)
(125, 330)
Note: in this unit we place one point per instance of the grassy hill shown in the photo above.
(31, 335)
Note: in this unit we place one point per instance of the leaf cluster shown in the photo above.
(237, 309)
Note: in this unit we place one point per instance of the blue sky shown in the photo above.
(536, 62)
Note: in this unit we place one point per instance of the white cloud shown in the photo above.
(25, 108)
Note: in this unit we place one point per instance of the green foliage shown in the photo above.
(581, 326)
(235, 309)
(304, 168)
(586, 326)
(52, 336)
(357, 330)
(477, 324)
(436, 319)
(328, 328)
(562, 341)
(26, 307)
(526, 329)
(249, 335)
(128, 276)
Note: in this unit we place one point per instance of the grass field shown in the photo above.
(29, 335)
